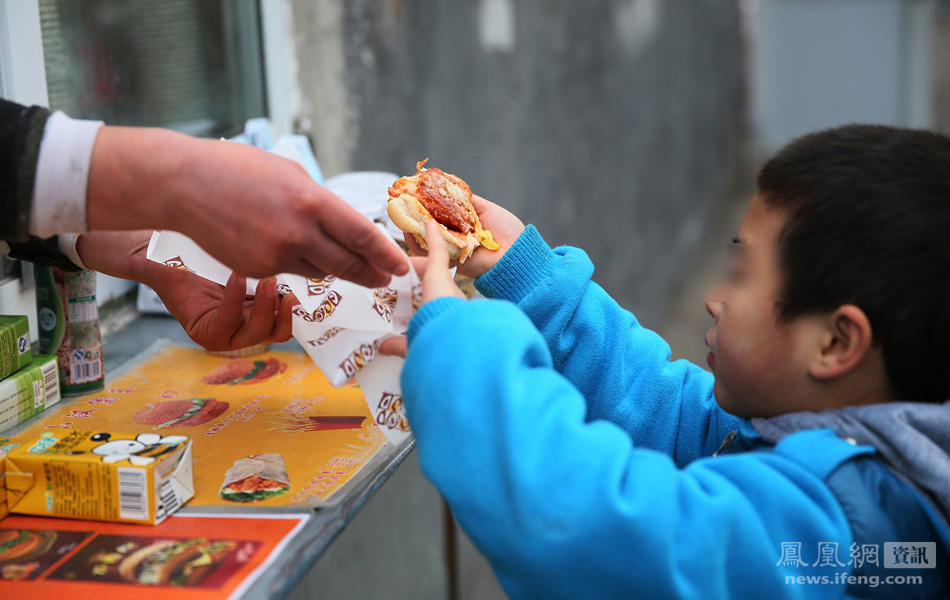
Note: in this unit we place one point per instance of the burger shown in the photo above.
(180, 413)
(434, 194)
(174, 562)
(23, 545)
(255, 478)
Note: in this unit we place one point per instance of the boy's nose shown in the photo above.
(713, 308)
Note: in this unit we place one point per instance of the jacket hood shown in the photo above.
(912, 438)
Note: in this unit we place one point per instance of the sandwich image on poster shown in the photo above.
(255, 478)
(159, 561)
(245, 372)
(25, 553)
(180, 413)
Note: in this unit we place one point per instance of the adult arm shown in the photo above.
(256, 212)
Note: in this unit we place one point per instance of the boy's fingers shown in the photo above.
(414, 248)
(437, 251)
(437, 280)
(394, 346)
(419, 263)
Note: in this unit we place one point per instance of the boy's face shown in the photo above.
(760, 364)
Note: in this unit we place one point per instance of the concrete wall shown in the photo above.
(610, 124)
(614, 125)
(820, 64)
(940, 66)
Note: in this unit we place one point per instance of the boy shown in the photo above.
(812, 462)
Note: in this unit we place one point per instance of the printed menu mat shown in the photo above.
(216, 556)
(268, 430)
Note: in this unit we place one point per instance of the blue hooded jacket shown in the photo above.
(584, 464)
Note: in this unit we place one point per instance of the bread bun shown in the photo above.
(432, 194)
(409, 215)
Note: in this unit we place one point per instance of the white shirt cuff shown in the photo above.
(62, 173)
(67, 245)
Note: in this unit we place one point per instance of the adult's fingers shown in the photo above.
(284, 324)
(358, 235)
(330, 256)
(260, 321)
(230, 312)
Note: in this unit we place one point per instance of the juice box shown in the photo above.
(15, 352)
(6, 444)
(100, 476)
(29, 391)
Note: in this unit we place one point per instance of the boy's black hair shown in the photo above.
(868, 211)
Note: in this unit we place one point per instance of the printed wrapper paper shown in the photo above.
(339, 324)
(179, 251)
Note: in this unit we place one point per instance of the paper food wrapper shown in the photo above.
(339, 324)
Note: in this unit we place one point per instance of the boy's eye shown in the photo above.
(736, 272)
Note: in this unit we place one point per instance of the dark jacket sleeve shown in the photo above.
(21, 131)
(42, 252)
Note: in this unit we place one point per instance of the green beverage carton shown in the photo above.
(29, 391)
(15, 351)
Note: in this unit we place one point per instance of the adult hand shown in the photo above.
(505, 228)
(224, 318)
(216, 317)
(254, 211)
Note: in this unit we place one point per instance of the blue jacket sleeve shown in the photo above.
(622, 369)
(564, 507)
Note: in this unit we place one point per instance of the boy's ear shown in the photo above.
(845, 341)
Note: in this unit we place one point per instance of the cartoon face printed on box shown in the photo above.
(143, 449)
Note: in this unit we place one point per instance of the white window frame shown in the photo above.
(23, 80)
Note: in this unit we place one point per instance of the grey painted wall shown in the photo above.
(610, 124)
(820, 64)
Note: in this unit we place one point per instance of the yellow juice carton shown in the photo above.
(5, 445)
(100, 476)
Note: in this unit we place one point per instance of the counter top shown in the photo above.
(121, 349)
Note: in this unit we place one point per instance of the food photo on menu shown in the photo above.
(146, 560)
(216, 554)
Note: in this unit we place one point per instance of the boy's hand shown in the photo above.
(437, 282)
(436, 278)
(504, 227)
